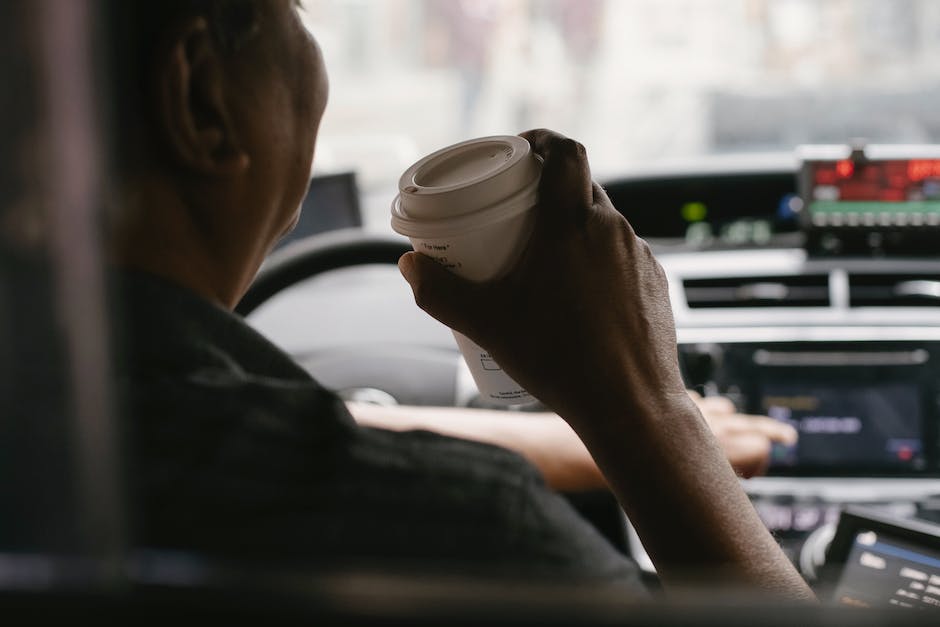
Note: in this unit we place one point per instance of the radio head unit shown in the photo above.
(860, 408)
(874, 200)
(868, 427)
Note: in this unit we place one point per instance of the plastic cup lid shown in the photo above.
(405, 224)
(467, 177)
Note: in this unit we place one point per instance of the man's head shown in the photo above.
(217, 106)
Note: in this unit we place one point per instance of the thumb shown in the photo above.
(450, 299)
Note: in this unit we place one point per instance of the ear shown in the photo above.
(192, 100)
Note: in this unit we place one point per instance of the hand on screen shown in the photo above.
(745, 439)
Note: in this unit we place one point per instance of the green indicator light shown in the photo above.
(694, 211)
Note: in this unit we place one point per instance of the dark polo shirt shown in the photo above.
(237, 451)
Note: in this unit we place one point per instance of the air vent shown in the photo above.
(810, 290)
(894, 290)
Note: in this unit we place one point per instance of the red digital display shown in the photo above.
(845, 169)
(920, 169)
(885, 181)
(867, 204)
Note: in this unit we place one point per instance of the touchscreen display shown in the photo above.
(883, 193)
(848, 426)
(882, 571)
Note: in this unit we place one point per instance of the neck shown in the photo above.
(166, 237)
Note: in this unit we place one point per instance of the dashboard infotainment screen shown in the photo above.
(848, 426)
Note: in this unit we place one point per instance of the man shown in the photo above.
(238, 452)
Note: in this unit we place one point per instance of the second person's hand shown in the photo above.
(746, 440)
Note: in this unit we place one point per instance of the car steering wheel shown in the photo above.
(379, 346)
(316, 254)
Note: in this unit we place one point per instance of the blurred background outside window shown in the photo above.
(639, 82)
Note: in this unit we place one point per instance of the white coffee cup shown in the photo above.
(469, 206)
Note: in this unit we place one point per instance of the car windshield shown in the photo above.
(642, 83)
(747, 406)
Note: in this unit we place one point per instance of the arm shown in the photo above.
(555, 449)
(583, 322)
(542, 438)
(746, 440)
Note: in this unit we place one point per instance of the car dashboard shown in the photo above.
(826, 318)
(838, 349)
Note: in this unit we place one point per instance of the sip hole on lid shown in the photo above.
(464, 167)
(467, 177)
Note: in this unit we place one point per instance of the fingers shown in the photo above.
(749, 455)
(774, 430)
(736, 425)
(599, 195)
(447, 297)
(566, 191)
(745, 439)
(721, 413)
(715, 405)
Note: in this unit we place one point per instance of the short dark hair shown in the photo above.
(132, 30)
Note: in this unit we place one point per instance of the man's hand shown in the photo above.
(583, 322)
(584, 312)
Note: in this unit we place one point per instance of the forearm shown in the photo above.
(682, 496)
(543, 439)
(583, 322)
